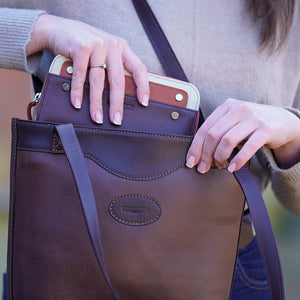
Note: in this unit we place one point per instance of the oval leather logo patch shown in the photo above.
(135, 210)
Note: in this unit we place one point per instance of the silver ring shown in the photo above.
(103, 66)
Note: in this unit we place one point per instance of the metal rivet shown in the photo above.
(179, 97)
(174, 115)
(70, 69)
(66, 87)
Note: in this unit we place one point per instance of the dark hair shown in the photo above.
(276, 18)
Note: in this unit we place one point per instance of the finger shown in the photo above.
(213, 138)
(254, 142)
(80, 63)
(140, 75)
(217, 114)
(96, 80)
(195, 150)
(116, 80)
(231, 139)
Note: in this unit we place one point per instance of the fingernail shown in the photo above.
(98, 117)
(117, 118)
(190, 163)
(77, 103)
(232, 167)
(145, 100)
(202, 168)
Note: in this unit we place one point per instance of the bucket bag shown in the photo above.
(104, 212)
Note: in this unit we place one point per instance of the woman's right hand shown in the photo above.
(87, 46)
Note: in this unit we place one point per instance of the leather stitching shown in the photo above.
(56, 144)
(11, 217)
(156, 176)
(137, 178)
(35, 149)
(88, 129)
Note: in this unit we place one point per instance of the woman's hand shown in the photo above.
(87, 46)
(254, 124)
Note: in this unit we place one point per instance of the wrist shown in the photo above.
(41, 33)
(289, 154)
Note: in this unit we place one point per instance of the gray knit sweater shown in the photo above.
(216, 43)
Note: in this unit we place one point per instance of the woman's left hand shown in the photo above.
(256, 125)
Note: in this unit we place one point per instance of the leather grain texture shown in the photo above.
(174, 257)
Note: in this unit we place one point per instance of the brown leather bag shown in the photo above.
(111, 213)
(167, 232)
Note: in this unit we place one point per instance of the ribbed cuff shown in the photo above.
(285, 183)
(15, 30)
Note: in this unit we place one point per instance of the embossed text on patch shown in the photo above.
(135, 209)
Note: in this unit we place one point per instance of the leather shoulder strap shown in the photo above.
(252, 193)
(161, 44)
(82, 179)
(264, 233)
(159, 41)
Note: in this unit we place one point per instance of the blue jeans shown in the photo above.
(4, 287)
(250, 277)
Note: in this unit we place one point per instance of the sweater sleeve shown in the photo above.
(285, 182)
(15, 30)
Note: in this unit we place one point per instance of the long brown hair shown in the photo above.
(276, 17)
